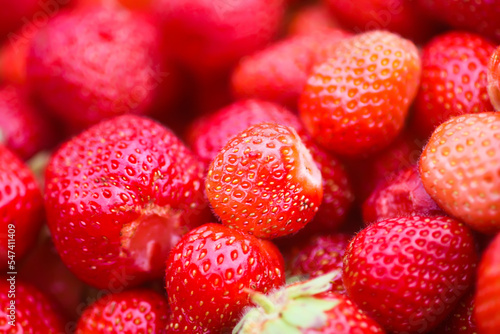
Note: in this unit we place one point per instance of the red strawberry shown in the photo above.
(21, 209)
(461, 320)
(22, 128)
(118, 197)
(265, 182)
(454, 67)
(494, 79)
(14, 14)
(460, 169)
(32, 312)
(310, 20)
(306, 308)
(404, 195)
(130, 312)
(279, 72)
(209, 272)
(319, 255)
(408, 273)
(96, 63)
(487, 297)
(356, 102)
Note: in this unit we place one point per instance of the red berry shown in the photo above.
(494, 79)
(209, 272)
(265, 182)
(460, 169)
(118, 197)
(408, 273)
(356, 102)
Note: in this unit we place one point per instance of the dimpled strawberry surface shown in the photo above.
(249, 166)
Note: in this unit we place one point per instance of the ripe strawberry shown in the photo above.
(494, 79)
(96, 63)
(310, 20)
(309, 308)
(22, 128)
(488, 290)
(32, 312)
(14, 14)
(408, 273)
(130, 312)
(356, 102)
(402, 196)
(118, 197)
(279, 72)
(454, 67)
(21, 209)
(265, 182)
(460, 169)
(461, 320)
(208, 273)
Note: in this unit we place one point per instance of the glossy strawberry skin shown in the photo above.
(408, 273)
(207, 273)
(356, 102)
(265, 182)
(129, 312)
(34, 312)
(21, 205)
(403, 196)
(494, 79)
(454, 81)
(461, 320)
(118, 197)
(459, 169)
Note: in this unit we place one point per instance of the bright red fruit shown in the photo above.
(409, 273)
(265, 182)
(209, 272)
(461, 320)
(494, 79)
(402, 196)
(118, 197)
(33, 311)
(460, 169)
(21, 207)
(130, 312)
(95, 63)
(487, 297)
(356, 102)
(454, 81)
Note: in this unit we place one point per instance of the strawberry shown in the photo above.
(461, 320)
(118, 197)
(404, 195)
(208, 274)
(14, 14)
(460, 169)
(454, 67)
(309, 308)
(129, 312)
(265, 182)
(22, 128)
(21, 209)
(494, 79)
(33, 312)
(311, 19)
(95, 63)
(279, 72)
(409, 273)
(488, 290)
(356, 102)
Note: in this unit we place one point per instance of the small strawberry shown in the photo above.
(494, 79)
(488, 290)
(33, 312)
(454, 68)
(404, 195)
(305, 308)
(118, 197)
(265, 182)
(209, 272)
(460, 169)
(311, 19)
(461, 320)
(409, 273)
(130, 312)
(356, 102)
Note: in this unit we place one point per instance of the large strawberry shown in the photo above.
(209, 272)
(265, 182)
(408, 273)
(454, 67)
(118, 197)
(356, 102)
(494, 79)
(460, 169)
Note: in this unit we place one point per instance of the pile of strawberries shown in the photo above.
(256, 166)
